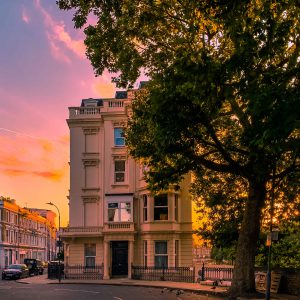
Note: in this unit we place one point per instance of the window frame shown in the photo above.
(116, 172)
(119, 209)
(145, 207)
(90, 256)
(176, 201)
(163, 255)
(176, 253)
(161, 207)
(145, 248)
(117, 137)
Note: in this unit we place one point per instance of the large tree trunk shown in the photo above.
(243, 275)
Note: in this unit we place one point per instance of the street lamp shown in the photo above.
(59, 242)
(270, 237)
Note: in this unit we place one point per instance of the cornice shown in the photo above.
(90, 199)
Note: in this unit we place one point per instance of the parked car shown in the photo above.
(35, 266)
(15, 271)
(45, 264)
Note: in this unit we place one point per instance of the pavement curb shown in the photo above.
(22, 282)
(222, 294)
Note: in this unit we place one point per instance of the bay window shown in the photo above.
(145, 253)
(161, 207)
(176, 208)
(145, 208)
(161, 254)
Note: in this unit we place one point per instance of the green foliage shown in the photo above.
(223, 255)
(285, 251)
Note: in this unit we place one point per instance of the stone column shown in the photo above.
(130, 258)
(106, 260)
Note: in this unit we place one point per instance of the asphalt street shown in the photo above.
(11, 290)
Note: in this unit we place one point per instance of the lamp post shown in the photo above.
(59, 242)
(270, 237)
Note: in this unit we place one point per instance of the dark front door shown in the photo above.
(119, 258)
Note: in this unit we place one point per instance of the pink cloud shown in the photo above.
(57, 35)
(25, 16)
(57, 52)
(12, 161)
(55, 175)
(24, 155)
(46, 145)
(64, 140)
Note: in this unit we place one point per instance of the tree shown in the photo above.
(223, 92)
(221, 200)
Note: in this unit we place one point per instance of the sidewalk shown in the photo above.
(188, 287)
(191, 287)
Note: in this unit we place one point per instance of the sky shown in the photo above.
(43, 71)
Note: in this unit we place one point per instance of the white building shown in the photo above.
(114, 220)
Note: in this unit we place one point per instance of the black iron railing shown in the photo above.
(178, 274)
(216, 273)
(55, 270)
(83, 272)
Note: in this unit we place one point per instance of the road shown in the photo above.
(10, 289)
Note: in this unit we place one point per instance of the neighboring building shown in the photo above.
(52, 232)
(114, 220)
(24, 234)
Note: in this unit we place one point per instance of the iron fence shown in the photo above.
(216, 273)
(55, 271)
(177, 274)
(83, 272)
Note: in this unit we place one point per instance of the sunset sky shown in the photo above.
(43, 71)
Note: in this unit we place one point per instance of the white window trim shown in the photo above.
(167, 254)
(115, 145)
(176, 208)
(126, 174)
(90, 256)
(118, 200)
(176, 253)
(145, 256)
(168, 204)
(145, 208)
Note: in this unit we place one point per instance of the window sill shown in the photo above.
(114, 222)
(120, 184)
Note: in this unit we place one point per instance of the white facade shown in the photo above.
(113, 218)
